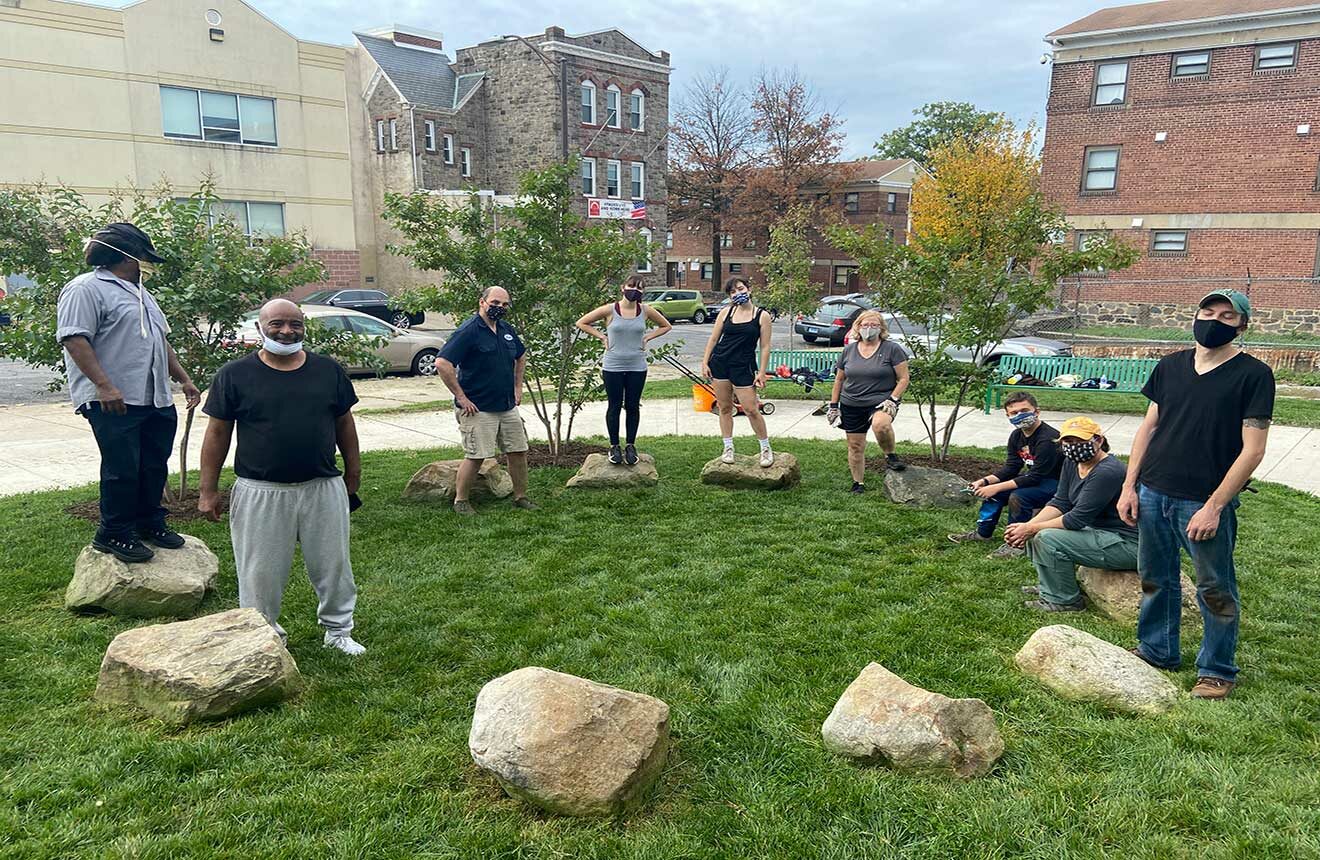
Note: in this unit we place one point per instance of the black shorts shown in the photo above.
(742, 376)
(856, 419)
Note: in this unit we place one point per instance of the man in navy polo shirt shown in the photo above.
(483, 364)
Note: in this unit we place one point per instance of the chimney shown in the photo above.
(554, 33)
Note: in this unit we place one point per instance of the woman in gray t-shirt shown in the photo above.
(623, 366)
(869, 380)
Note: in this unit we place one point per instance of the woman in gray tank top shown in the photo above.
(623, 366)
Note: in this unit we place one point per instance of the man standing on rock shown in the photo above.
(483, 364)
(119, 365)
(1203, 435)
(292, 408)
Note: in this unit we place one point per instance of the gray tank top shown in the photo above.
(625, 351)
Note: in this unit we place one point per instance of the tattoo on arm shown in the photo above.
(1256, 423)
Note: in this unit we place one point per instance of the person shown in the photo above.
(119, 363)
(1033, 445)
(1080, 525)
(1204, 434)
(730, 363)
(623, 367)
(292, 408)
(869, 380)
(482, 364)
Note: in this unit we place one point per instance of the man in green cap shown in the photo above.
(1203, 435)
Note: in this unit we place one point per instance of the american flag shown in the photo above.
(639, 209)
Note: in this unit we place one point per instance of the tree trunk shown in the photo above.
(183, 453)
(717, 261)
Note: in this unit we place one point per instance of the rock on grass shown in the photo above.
(171, 584)
(1079, 666)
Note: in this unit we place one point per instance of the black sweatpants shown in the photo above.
(135, 452)
(623, 389)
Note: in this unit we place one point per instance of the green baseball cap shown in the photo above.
(1239, 301)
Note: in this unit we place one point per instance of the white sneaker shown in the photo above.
(727, 456)
(767, 458)
(344, 643)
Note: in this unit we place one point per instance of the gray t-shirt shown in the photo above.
(1093, 500)
(868, 381)
(626, 350)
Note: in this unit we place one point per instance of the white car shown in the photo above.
(903, 331)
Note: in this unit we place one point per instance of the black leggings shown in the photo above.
(623, 388)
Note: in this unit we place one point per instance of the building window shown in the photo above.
(749, 244)
(380, 135)
(644, 264)
(1101, 170)
(217, 117)
(637, 171)
(1111, 83)
(889, 234)
(735, 268)
(707, 270)
(1084, 240)
(891, 203)
(1191, 64)
(1168, 242)
(669, 239)
(255, 219)
(430, 135)
(394, 135)
(845, 277)
(851, 202)
(449, 149)
(465, 167)
(823, 199)
(726, 240)
(588, 103)
(636, 110)
(588, 177)
(612, 106)
(611, 179)
(1276, 56)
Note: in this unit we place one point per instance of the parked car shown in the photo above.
(832, 319)
(4, 315)
(678, 304)
(903, 331)
(374, 302)
(405, 352)
(713, 311)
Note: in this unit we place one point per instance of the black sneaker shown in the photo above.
(127, 549)
(615, 455)
(858, 488)
(161, 536)
(894, 464)
(630, 455)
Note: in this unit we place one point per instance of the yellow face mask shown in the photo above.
(145, 269)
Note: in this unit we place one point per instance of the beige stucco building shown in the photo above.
(102, 99)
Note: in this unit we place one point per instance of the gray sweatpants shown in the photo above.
(266, 519)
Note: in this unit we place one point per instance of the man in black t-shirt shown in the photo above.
(292, 409)
(1203, 435)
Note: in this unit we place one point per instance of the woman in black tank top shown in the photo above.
(730, 364)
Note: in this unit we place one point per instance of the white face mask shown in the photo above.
(274, 347)
(869, 332)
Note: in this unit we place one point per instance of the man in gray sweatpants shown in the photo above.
(293, 409)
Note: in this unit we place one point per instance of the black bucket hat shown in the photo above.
(127, 239)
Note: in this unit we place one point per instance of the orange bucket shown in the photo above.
(702, 400)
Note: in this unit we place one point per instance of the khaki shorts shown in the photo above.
(489, 434)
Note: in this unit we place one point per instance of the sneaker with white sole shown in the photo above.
(767, 458)
(727, 457)
(1008, 551)
(344, 643)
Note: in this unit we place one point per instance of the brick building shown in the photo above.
(424, 123)
(877, 192)
(1191, 128)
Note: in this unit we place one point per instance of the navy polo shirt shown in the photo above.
(485, 360)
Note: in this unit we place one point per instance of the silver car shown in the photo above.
(902, 331)
(404, 351)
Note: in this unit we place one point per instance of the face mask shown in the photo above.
(274, 347)
(1079, 452)
(495, 312)
(740, 298)
(1213, 333)
(869, 333)
(1023, 420)
(633, 295)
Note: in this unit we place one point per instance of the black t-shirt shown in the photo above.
(286, 418)
(1199, 434)
(1037, 453)
(485, 361)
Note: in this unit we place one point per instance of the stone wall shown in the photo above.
(1279, 358)
(1161, 315)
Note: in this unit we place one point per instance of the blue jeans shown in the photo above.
(1022, 505)
(1162, 533)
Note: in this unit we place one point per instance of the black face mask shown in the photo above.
(1078, 452)
(494, 312)
(633, 295)
(1213, 333)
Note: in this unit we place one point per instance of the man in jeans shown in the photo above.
(1203, 435)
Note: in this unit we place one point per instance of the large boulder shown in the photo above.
(598, 472)
(206, 668)
(1078, 666)
(1117, 594)
(435, 482)
(171, 584)
(921, 487)
(566, 744)
(747, 473)
(883, 719)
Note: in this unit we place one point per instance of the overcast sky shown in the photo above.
(875, 62)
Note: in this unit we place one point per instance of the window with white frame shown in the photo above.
(465, 167)
(449, 148)
(669, 239)
(255, 218)
(217, 117)
(726, 240)
(636, 110)
(1191, 64)
(1111, 83)
(380, 135)
(735, 268)
(612, 106)
(707, 270)
(394, 135)
(1168, 242)
(845, 277)
(891, 203)
(644, 264)
(637, 180)
(430, 135)
(611, 179)
(1276, 56)
(852, 202)
(588, 103)
(1085, 240)
(588, 177)
(1100, 172)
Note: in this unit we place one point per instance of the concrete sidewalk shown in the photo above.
(48, 446)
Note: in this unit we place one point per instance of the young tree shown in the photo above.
(710, 152)
(555, 265)
(940, 123)
(983, 254)
(787, 265)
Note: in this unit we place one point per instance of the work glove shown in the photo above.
(832, 414)
(890, 407)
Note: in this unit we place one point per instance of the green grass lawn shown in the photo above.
(749, 613)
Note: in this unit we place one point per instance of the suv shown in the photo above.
(374, 302)
(832, 319)
(678, 304)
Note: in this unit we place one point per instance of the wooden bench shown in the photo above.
(1128, 374)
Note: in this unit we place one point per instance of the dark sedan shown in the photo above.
(374, 302)
(832, 319)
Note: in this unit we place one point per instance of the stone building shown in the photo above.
(424, 122)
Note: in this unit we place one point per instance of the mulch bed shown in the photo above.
(571, 454)
(970, 468)
(181, 511)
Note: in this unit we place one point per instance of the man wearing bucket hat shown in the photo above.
(119, 365)
(1080, 525)
(1203, 435)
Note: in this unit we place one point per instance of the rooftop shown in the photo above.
(1165, 12)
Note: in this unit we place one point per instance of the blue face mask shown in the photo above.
(1023, 420)
(740, 298)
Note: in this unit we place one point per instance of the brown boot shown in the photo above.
(1212, 688)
